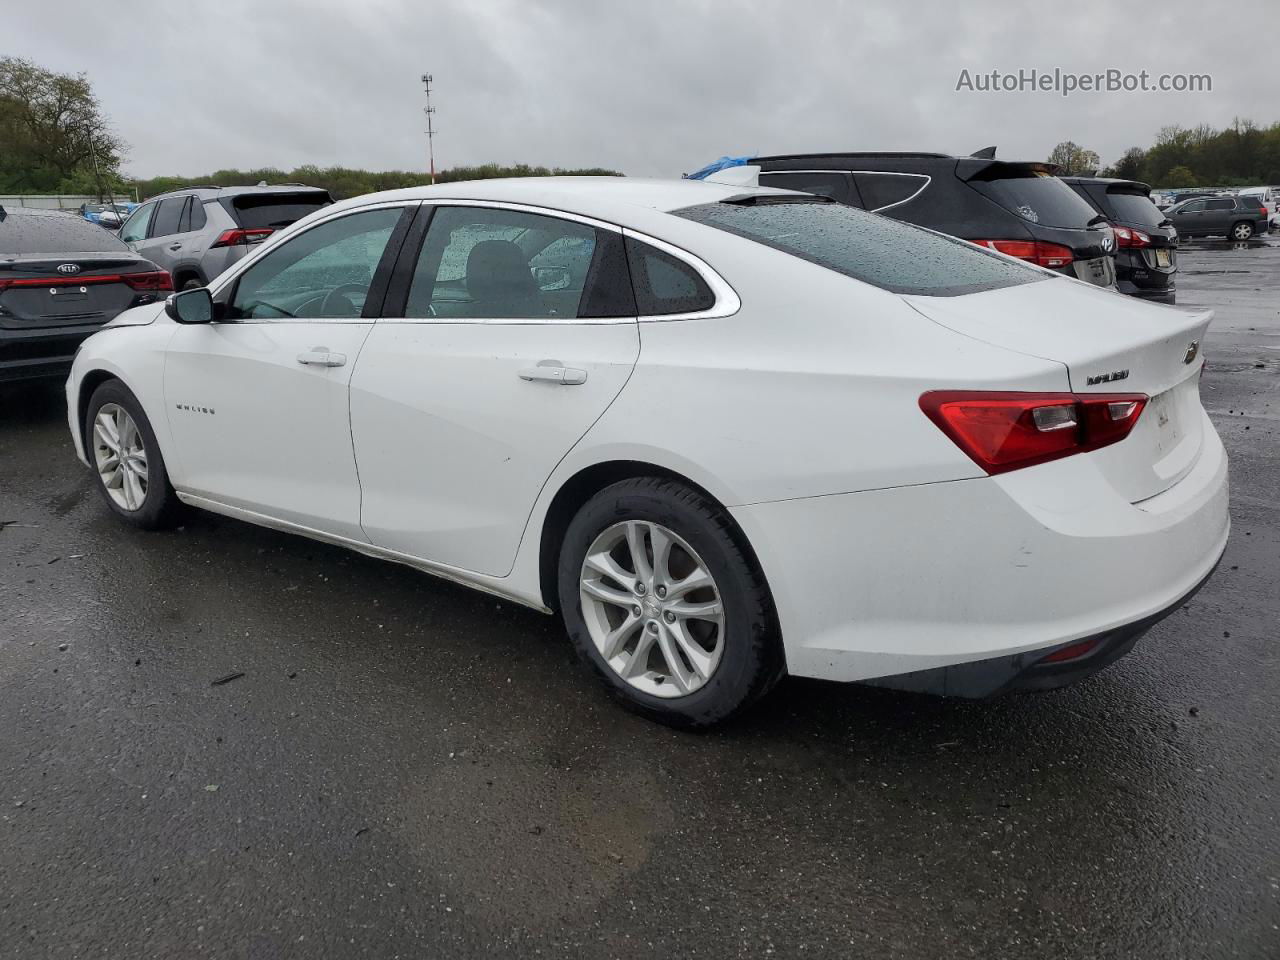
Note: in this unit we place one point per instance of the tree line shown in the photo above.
(1241, 155)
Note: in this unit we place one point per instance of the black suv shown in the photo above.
(1146, 241)
(61, 278)
(1236, 218)
(1021, 209)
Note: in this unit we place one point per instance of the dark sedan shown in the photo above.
(61, 278)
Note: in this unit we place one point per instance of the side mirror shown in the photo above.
(551, 278)
(190, 306)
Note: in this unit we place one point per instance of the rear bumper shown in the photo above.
(35, 354)
(1029, 671)
(884, 583)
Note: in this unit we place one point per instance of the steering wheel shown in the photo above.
(332, 306)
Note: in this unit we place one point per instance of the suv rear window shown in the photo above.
(1134, 206)
(1038, 198)
(886, 253)
(257, 210)
(54, 233)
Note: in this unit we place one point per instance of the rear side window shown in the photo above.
(880, 190)
(1134, 206)
(167, 216)
(1250, 200)
(1219, 205)
(664, 285)
(833, 185)
(1038, 198)
(254, 211)
(488, 263)
(886, 253)
(193, 217)
(56, 233)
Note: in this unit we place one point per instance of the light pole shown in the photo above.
(431, 133)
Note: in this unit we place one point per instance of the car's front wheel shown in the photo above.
(663, 602)
(1242, 230)
(128, 466)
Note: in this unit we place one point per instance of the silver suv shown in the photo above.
(198, 232)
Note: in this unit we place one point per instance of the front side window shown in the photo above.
(875, 249)
(135, 228)
(324, 272)
(1193, 206)
(168, 216)
(489, 263)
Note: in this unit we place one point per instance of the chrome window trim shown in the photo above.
(928, 179)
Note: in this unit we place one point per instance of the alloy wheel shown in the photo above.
(1242, 231)
(121, 456)
(652, 608)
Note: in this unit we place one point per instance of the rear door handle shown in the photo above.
(321, 357)
(175, 246)
(551, 371)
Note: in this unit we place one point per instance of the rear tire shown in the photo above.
(128, 467)
(1242, 230)
(722, 636)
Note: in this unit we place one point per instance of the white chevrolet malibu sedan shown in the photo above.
(726, 433)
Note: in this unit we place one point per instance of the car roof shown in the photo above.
(1110, 182)
(589, 196)
(213, 191)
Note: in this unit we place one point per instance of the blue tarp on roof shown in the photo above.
(722, 164)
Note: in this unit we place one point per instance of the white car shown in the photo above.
(726, 432)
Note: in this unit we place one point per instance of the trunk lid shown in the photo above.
(39, 293)
(1109, 344)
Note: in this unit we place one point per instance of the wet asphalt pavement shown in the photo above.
(410, 769)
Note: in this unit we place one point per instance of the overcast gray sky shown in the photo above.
(649, 88)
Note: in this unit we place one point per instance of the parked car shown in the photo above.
(198, 232)
(1237, 218)
(1146, 241)
(1019, 209)
(726, 432)
(61, 278)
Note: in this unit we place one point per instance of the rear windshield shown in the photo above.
(275, 210)
(23, 234)
(888, 254)
(1133, 206)
(1038, 198)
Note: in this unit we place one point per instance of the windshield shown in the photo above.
(888, 254)
(1038, 198)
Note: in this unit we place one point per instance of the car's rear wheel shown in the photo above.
(1242, 230)
(662, 601)
(128, 466)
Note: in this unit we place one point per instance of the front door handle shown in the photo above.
(321, 357)
(552, 371)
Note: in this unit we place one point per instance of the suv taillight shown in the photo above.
(1042, 254)
(1007, 431)
(241, 238)
(1130, 237)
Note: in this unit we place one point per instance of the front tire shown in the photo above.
(666, 606)
(1242, 230)
(129, 469)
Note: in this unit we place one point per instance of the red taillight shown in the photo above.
(241, 238)
(1008, 431)
(1042, 254)
(158, 280)
(153, 280)
(1073, 652)
(1129, 237)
